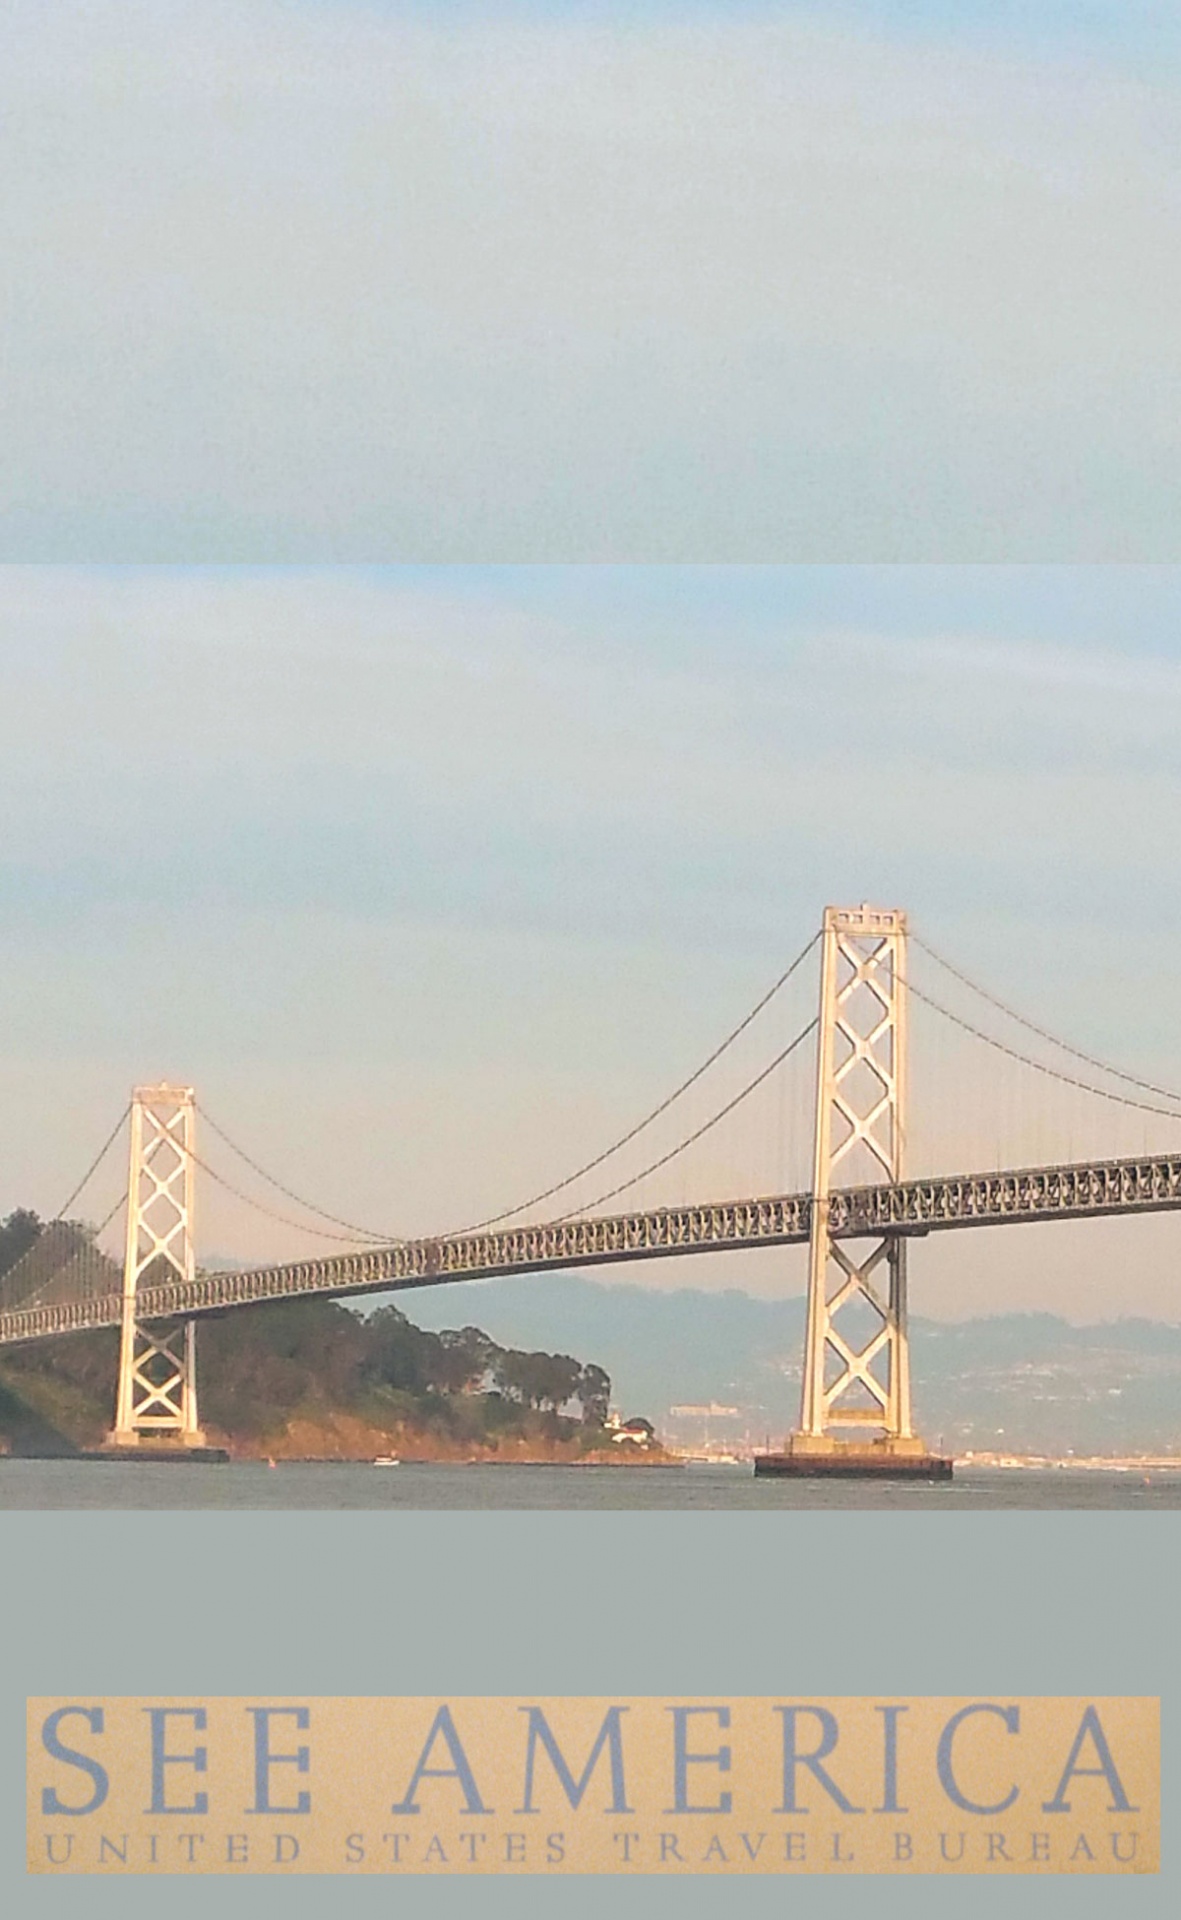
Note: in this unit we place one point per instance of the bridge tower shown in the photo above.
(157, 1393)
(856, 1356)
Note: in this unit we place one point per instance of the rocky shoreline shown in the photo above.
(346, 1437)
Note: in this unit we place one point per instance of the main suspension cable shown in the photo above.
(354, 1231)
(509, 1213)
(720, 1115)
(89, 1245)
(1039, 1066)
(1043, 1033)
(105, 1223)
(95, 1164)
(301, 1226)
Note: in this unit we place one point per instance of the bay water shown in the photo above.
(328, 1485)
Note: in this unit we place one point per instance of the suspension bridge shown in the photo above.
(857, 1209)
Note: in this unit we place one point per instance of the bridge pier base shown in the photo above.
(152, 1452)
(811, 1457)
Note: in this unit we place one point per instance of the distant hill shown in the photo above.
(1021, 1382)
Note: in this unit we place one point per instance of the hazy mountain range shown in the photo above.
(1012, 1382)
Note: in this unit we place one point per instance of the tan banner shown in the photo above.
(704, 1785)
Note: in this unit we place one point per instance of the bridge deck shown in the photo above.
(1084, 1191)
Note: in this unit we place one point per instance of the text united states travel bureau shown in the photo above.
(636, 1785)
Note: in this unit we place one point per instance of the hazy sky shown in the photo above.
(432, 880)
(287, 280)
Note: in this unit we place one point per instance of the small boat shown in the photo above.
(387, 1460)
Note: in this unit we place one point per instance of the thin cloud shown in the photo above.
(289, 281)
(1031, 661)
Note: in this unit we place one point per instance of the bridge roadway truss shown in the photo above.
(1085, 1191)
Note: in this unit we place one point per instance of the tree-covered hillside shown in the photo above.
(314, 1365)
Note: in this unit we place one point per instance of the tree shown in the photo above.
(538, 1379)
(558, 1378)
(466, 1358)
(18, 1233)
(594, 1394)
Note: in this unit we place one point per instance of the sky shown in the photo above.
(290, 281)
(433, 880)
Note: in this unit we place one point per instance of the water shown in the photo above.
(325, 1486)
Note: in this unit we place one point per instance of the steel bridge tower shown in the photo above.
(157, 1394)
(856, 1355)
